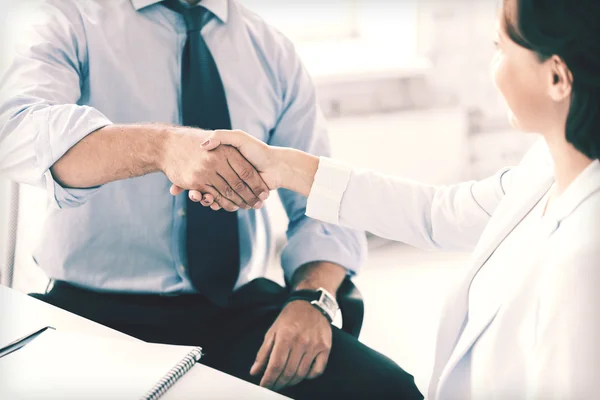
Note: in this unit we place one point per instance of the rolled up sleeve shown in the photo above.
(301, 125)
(60, 128)
(40, 119)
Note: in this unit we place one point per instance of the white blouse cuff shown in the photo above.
(327, 192)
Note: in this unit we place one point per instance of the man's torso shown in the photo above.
(129, 235)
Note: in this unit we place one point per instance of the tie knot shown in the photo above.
(195, 17)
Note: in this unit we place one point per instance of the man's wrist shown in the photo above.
(321, 299)
(319, 274)
(162, 139)
(331, 287)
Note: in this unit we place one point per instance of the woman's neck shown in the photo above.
(568, 162)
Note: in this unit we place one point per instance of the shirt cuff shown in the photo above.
(59, 129)
(327, 192)
(61, 197)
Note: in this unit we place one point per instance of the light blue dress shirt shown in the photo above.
(86, 64)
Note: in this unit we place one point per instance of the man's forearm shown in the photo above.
(319, 274)
(112, 153)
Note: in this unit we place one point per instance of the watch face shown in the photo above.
(329, 303)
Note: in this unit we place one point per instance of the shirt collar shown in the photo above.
(220, 8)
(587, 183)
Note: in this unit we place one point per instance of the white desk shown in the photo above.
(21, 313)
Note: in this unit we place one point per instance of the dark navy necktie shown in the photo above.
(212, 236)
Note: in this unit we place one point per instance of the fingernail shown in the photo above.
(258, 205)
(263, 196)
(193, 197)
(206, 143)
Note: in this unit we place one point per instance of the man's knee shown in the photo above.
(357, 371)
(382, 378)
(391, 381)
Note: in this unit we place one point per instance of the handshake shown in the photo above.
(234, 169)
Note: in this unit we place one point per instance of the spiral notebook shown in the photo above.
(58, 365)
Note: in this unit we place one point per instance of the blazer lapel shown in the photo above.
(453, 319)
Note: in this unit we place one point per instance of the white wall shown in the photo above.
(4, 209)
(426, 145)
(439, 122)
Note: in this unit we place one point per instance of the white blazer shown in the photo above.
(551, 318)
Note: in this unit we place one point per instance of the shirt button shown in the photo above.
(181, 213)
(181, 268)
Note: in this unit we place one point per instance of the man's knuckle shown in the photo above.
(247, 173)
(288, 331)
(287, 338)
(323, 345)
(277, 369)
(302, 340)
(228, 192)
(287, 376)
(239, 187)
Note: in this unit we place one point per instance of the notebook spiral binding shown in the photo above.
(174, 375)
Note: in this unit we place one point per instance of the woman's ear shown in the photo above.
(561, 83)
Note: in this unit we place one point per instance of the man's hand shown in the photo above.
(298, 344)
(223, 173)
(278, 167)
(295, 348)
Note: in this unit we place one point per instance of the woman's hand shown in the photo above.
(279, 167)
(262, 156)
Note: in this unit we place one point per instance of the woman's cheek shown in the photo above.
(499, 75)
(496, 69)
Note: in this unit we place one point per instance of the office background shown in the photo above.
(412, 77)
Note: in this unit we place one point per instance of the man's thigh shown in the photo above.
(354, 371)
(231, 339)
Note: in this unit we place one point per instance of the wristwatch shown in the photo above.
(321, 299)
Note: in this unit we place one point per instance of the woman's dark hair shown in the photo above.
(569, 29)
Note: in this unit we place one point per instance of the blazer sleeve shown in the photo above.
(431, 217)
(449, 217)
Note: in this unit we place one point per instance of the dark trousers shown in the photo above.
(231, 337)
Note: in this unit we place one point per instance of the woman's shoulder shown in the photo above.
(576, 240)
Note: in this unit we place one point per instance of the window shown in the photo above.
(334, 19)
(338, 37)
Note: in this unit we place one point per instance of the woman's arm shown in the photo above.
(443, 217)
(434, 217)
